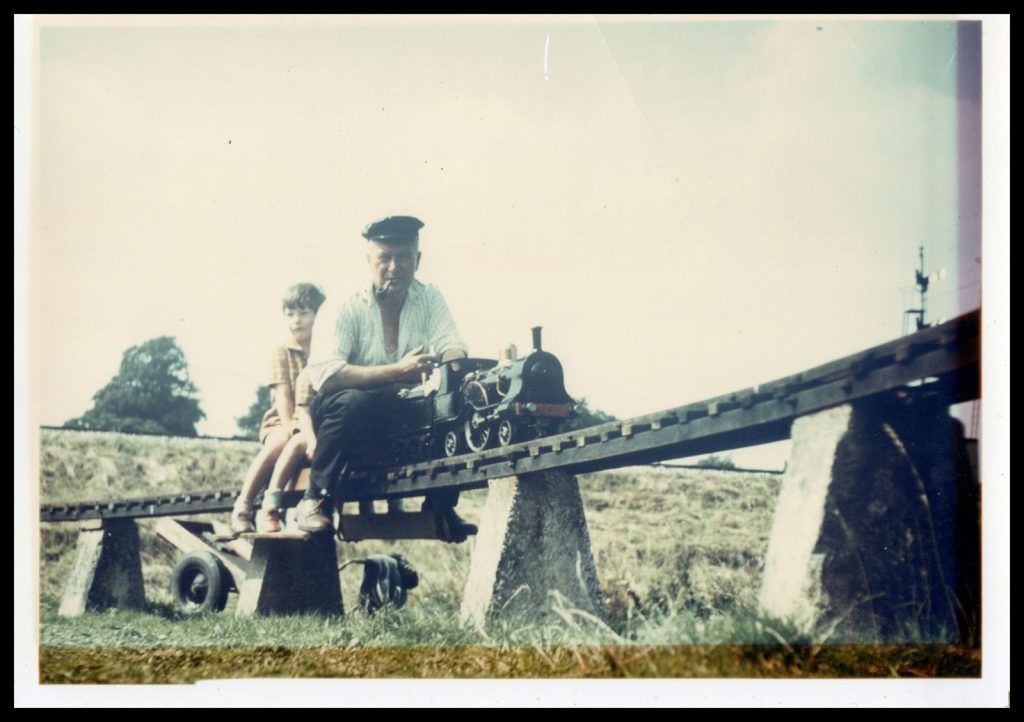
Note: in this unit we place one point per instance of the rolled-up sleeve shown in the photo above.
(280, 371)
(444, 336)
(334, 338)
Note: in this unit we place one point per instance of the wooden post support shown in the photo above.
(532, 556)
(107, 571)
(875, 536)
(291, 573)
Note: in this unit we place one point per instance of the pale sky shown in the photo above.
(687, 208)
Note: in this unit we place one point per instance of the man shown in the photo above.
(389, 334)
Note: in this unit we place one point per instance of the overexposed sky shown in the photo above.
(687, 208)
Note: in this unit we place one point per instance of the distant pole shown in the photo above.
(922, 286)
(922, 291)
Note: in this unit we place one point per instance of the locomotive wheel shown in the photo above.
(477, 437)
(507, 433)
(451, 444)
(199, 584)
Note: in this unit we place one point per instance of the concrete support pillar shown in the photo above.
(107, 571)
(875, 536)
(532, 552)
(291, 574)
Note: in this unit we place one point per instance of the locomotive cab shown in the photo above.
(469, 404)
(447, 406)
(433, 409)
(444, 383)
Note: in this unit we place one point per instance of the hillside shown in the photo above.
(664, 540)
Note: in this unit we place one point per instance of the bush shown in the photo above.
(714, 461)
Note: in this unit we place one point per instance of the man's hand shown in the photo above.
(415, 366)
(410, 369)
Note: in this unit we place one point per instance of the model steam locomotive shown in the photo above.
(469, 404)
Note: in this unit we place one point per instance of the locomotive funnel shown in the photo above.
(536, 337)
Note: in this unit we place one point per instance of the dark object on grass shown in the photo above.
(386, 580)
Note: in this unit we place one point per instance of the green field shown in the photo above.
(679, 554)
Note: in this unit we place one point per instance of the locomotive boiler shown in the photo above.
(470, 404)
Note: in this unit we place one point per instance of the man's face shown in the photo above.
(393, 265)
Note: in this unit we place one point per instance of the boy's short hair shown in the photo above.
(303, 295)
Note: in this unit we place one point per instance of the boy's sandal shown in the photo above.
(241, 522)
(269, 521)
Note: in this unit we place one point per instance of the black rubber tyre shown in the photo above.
(199, 583)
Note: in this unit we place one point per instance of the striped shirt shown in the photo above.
(354, 333)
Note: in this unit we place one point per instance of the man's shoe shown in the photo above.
(241, 521)
(452, 527)
(456, 522)
(309, 516)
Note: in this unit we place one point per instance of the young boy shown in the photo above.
(286, 425)
(297, 451)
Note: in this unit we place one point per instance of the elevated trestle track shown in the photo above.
(945, 358)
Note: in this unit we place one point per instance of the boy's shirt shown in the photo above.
(288, 367)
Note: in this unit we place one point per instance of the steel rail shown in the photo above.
(948, 355)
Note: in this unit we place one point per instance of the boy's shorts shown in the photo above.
(272, 420)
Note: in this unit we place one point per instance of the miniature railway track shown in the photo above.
(947, 355)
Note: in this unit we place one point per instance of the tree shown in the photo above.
(250, 422)
(151, 394)
(585, 417)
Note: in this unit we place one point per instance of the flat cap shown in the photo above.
(393, 229)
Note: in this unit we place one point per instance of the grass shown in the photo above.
(697, 571)
(176, 665)
(679, 554)
(84, 465)
(425, 641)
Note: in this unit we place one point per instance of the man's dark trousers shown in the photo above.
(350, 424)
